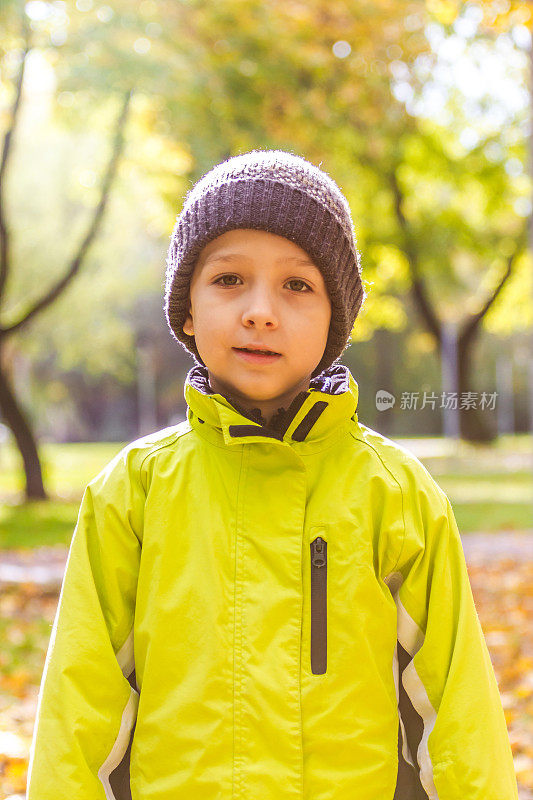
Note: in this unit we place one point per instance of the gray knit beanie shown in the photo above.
(283, 193)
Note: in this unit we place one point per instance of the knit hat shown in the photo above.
(283, 193)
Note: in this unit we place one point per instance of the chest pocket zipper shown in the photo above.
(319, 605)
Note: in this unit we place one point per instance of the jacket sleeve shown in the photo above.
(87, 707)
(449, 699)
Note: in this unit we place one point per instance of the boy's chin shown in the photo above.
(254, 388)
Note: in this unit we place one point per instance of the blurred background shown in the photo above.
(421, 110)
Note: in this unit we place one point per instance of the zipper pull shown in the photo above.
(318, 555)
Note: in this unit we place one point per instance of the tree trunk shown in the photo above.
(15, 419)
(473, 427)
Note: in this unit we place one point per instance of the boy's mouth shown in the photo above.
(257, 355)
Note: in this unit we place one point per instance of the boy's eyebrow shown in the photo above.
(239, 256)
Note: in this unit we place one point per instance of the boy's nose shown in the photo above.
(260, 311)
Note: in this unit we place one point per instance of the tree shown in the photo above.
(325, 79)
(10, 406)
(452, 195)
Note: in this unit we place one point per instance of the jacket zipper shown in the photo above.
(319, 576)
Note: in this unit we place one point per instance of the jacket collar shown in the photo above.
(313, 416)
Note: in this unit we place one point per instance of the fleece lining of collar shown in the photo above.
(333, 380)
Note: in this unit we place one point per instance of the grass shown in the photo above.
(67, 468)
(37, 524)
(490, 487)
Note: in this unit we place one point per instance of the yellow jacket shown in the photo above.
(246, 610)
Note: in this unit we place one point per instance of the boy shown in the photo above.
(268, 600)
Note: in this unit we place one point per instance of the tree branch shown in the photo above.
(418, 289)
(77, 261)
(474, 320)
(6, 151)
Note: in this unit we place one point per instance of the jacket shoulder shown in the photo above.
(426, 510)
(154, 441)
(129, 461)
(409, 472)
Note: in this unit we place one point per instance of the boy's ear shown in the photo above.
(188, 326)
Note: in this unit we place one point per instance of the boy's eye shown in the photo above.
(222, 277)
(303, 283)
(229, 279)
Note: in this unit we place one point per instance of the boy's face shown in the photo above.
(252, 288)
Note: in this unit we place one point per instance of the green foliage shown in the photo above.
(214, 79)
